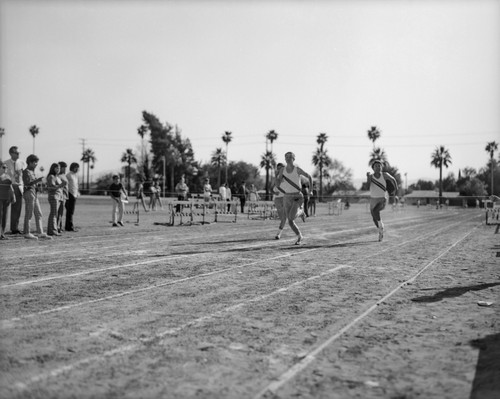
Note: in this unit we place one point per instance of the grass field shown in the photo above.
(223, 310)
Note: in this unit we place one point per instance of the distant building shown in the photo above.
(428, 196)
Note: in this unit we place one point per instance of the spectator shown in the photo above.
(305, 193)
(182, 189)
(62, 204)
(73, 194)
(55, 196)
(30, 196)
(312, 200)
(242, 193)
(118, 195)
(207, 190)
(15, 168)
(7, 196)
(223, 196)
(140, 195)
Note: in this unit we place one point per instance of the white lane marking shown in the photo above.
(132, 347)
(274, 386)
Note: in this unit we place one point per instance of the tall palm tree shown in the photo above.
(34, 130)
(439, 158)
(374, 134)
(378, 154)
(141, 131)
(268, 160)
(271, 136)
(129, 158)
(319, 159)
(88, 157)
(218, 158)
(226, 138)
(491, 147)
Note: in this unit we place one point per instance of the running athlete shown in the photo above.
(289, 182)
(278, 201)
(380, 183)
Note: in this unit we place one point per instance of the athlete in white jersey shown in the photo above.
(289, 183)
(379, 193)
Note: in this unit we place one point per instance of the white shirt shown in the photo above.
(72, 183)
(15, 171)
(222, 193)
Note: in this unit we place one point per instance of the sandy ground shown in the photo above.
(223, 310)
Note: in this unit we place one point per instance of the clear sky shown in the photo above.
(427, 73)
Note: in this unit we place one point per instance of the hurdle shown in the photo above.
(493, 214)
(221, 211)
(335, 207)
(259, 209)
(189, 210)
(125, 212)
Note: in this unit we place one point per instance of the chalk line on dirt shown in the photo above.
(7, 323)
(131, 347)
(274, 386)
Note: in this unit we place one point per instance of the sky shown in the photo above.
(426, 73)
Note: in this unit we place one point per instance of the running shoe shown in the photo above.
(121, 224)
(380, 234)
(299, 240)
(30, 236)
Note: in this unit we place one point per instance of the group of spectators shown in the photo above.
(19, 183)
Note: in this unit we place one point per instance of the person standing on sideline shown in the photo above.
(223, 196)
(55, 195)
(312, 200)
(228, 197)
(30, 196)
(60, 211)
(139, 196)
(289, 180)
(207, 190)
(182, 189)
(73, 194)
(242, 192)
(305, 193)
(278, 201)
(15, 168)
(7, 197)
(116, 193)
(380, 183)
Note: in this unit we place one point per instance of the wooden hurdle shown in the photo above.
(493, 215)
(133, 213)
(260, 209)
(335, 207)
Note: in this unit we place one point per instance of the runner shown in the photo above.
(380, 183)
(289, 181)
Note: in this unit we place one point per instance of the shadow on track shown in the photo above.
(453, 292)
(486, 383)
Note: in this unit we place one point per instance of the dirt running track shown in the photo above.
(225, 311)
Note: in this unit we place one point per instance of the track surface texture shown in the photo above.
(223, 310)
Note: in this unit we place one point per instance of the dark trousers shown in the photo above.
(15, 209)
(70, 210)
(242, 203)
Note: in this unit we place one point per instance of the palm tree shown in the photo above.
(378, 154)
(88, 157)
(319, 159)
(374, 134)
(440, 157)
(129, 158)
(226, 138)
(141, 131)
(218, 158)
(491, 147)
(268, 161)
(271, 136)
(34, 130)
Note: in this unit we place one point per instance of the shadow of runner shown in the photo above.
(486, 382)
(453, 292)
